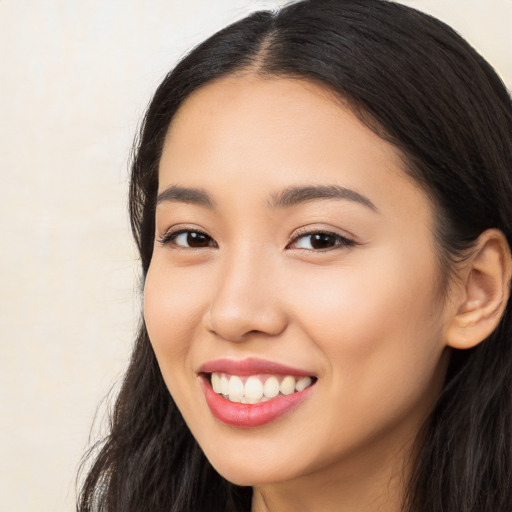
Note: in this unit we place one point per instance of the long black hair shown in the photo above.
(416, 83)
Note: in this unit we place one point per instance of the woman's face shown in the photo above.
(292, 250)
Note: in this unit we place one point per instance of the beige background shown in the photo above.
(75, 77)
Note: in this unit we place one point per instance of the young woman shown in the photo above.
(321, 198)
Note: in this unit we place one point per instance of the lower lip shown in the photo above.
(250, 415)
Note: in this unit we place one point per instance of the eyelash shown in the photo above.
(340, 242)
(170, 237)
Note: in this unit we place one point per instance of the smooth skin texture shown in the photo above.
(363, 311)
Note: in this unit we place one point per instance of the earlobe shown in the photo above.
(484, 291)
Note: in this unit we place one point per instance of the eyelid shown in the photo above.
(167, 238)
(347, 240)
(173, 232)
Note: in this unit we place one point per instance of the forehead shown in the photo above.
(250, 134)
(249, 110)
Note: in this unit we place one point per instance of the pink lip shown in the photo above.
(249, 415)
(251, 366)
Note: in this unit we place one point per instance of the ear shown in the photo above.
(482, 291)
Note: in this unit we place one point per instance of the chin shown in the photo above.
(248, 475)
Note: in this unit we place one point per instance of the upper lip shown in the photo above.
(251, 366)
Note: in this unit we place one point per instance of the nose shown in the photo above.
(246, 300)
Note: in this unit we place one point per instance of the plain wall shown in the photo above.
(75, 77)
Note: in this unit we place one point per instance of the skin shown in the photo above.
(367, 318)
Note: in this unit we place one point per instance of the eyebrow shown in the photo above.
(178, 194)
(288, 197)
(295, 195)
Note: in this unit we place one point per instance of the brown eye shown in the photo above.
(321, 241)
(188, 239)
(196, 239)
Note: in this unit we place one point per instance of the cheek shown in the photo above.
(174, 303)
(380, 340)
(374, 320)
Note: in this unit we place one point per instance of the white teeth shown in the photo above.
(256, 389)
(250, 400)
(216, 383)
(224, 385)
(236, 389)
(287, 386)
(253, 389)
(303, 383)
(271, 387)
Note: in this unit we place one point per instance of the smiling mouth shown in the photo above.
(255, 389)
